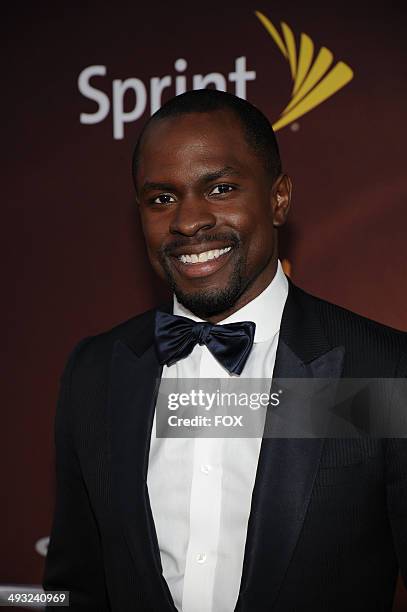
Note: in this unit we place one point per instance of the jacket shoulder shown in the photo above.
(356, 332)
(97, 350)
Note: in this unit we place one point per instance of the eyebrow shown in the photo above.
(151, 186)
(217, 174)
(208, 177)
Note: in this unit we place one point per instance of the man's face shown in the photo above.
(209, 211)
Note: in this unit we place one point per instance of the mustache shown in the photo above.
(168, 249)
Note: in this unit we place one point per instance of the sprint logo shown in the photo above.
(314, 81)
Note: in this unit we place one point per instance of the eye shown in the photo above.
(220, 189)
(164, 198)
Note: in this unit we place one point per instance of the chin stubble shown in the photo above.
(206, 303)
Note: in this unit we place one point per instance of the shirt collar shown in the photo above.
(265, 310)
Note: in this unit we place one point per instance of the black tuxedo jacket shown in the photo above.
(328, 523)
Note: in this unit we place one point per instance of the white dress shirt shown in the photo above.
(200, 489)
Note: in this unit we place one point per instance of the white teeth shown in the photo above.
(194, 258)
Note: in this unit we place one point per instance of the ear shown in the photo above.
(281, 199)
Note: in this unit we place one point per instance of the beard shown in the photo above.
(207, 303)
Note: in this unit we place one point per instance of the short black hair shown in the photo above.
(258, 130)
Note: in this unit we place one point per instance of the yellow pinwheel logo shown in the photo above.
(313, 82)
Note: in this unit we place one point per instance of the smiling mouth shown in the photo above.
(201, 264)
(197, 258)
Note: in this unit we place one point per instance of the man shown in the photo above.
(214, 525)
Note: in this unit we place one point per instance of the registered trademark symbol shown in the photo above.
(295, 126)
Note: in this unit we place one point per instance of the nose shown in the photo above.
(192, 215)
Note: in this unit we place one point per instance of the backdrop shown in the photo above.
(79, 81)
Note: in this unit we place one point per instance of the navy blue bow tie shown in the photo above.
(176, 337)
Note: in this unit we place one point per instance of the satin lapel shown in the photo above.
(286, 468)
(133, 385)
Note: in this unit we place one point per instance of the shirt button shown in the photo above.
(201, 558)
(205, 469)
